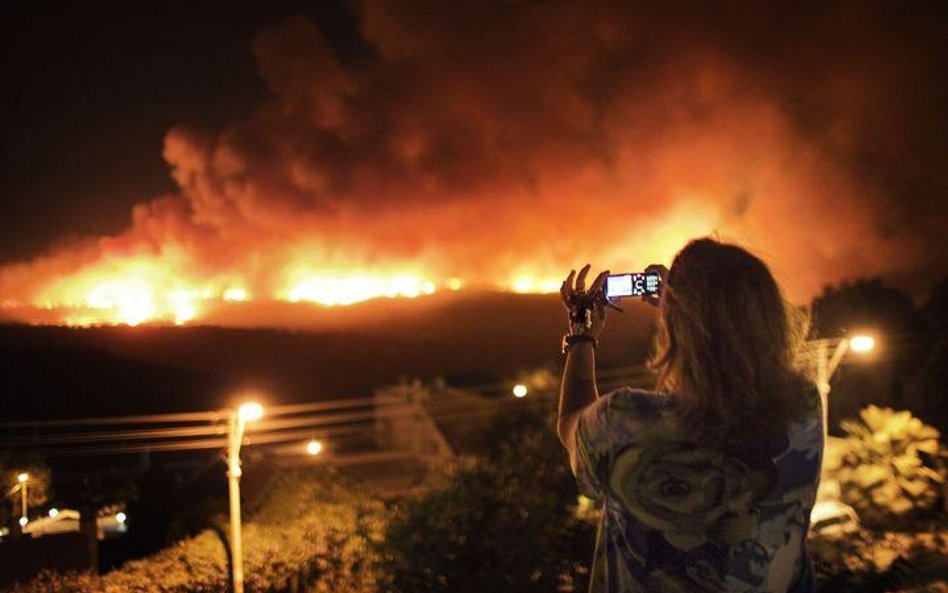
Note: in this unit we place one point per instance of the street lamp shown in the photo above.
(862, 343)
(250, 411)
(314, 447)
(236, 424)
(827, 364)
(520, 390)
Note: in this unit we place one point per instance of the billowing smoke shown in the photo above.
(499, 143)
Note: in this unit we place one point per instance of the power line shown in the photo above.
(166, 433)
(390, 409)
(214, 415)
(281, 417)
(197, 444)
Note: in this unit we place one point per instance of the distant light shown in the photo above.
(520, 390)
(121, 517)
(22, 477)
(250, 411)
(23, 521)
(455, 284)
(314, 447)
(862, 343)
(53, 513)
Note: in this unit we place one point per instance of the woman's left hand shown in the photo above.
(587, 308)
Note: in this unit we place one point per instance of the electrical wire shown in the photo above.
(196, 444)
(214, 415)
(391, 409)
(355, 414)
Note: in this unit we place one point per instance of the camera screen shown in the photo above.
(623, 285)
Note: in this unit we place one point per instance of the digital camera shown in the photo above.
(634, 284)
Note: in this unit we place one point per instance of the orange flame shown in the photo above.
(164, 288)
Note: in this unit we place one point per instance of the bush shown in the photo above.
(870, 561)
(503, 521)
(307, 527)
(888, 469)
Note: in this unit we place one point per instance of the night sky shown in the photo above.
(92, 87)
(499, 142)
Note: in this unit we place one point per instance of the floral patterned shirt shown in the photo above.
(682, 518)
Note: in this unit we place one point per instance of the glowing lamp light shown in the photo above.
(22, 477)
(250, 411)
(862, 343)
(520, 390)
(121, 517)
(53, 513)
(23, 521)
(314, 447)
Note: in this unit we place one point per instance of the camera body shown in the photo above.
(633, 284)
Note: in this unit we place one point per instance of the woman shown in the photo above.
(706, 483)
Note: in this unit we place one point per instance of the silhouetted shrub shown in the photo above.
(504, 521)
(309, 528)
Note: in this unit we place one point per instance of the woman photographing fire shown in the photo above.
(707, 482)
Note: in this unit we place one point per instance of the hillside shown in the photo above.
(465, 337)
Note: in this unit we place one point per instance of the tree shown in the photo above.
(505, 520)
(860, 305)
(935, 310)
(929, 383)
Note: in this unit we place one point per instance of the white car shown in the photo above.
(67, 521)
(833, 518)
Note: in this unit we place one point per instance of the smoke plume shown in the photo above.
(502, 142)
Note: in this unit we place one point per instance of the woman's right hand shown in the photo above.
(578, 300)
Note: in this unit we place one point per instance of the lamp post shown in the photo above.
(23, 479)
(236, 424)
(826, 364)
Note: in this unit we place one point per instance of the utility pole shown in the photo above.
(24, 479)
(236, 424)
(826, 365)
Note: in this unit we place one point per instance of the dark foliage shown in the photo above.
(906, 369)
(505, 521)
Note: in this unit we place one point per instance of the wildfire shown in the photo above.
(154, 290)
(236, 294)
(131, 301)
(171, 287)
(527, 283)
(355, 288)
(133, 290)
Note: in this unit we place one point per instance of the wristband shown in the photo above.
(571, 340)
